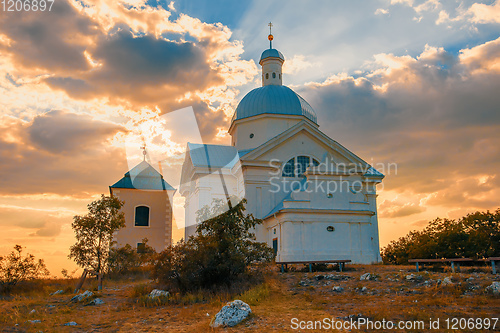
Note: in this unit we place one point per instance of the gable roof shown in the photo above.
(143, 177)
(213, 156)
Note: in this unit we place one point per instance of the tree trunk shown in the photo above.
(82, 280)
(99, 280)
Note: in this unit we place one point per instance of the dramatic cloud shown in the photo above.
(58, 152)
(130, 55)
(52, 41)
(435, 115)
(395, 208)
(89, 78)
(61, 131)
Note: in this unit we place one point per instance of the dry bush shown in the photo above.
(16, 268)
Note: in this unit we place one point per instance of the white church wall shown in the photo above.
(207, 187)
(262, 128)
(302, 240)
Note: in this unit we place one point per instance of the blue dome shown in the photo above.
(273, 100)
(271, 53)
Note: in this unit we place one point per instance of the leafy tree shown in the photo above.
(483, 229)
(94, 233)
(15, 268)
(475, 235)
(222, 249)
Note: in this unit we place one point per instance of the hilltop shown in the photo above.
(391, 292)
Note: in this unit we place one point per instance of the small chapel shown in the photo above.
(316, 198)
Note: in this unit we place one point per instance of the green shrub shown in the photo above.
(218, 254)
(127, 260)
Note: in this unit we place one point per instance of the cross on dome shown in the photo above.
(143, 147)
(270, 37)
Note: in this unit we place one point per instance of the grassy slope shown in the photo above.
(274, 303)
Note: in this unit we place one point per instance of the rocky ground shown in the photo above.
(283, 302)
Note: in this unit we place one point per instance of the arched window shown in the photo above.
(274, 75)
(267, 76)
(296, 166)
(142, 216)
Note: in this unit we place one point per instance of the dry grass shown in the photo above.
(274, 302)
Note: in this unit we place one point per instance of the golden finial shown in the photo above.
(270, 37)
(144, 151)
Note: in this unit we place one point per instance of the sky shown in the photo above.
(409, 82)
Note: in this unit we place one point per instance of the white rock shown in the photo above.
(368, 276)
(338, 289)
(32, 311)
(71, 323)
(157, 293)
(60, 291)
(364, 289)
(36, 321)
(96, 301)
(494, 288)
(411, 277)
(231, 314)
(447, 281)
(81, 297)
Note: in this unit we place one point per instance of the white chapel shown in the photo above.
(317, 199)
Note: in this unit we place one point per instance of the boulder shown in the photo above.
(158, 293)
(96, 301)
(494, 288)
(336, 277)
(338, 289)
(368, 276)
(231, 314)
(71, 323)
(447, 281)
(413, 277)
(60, 291)
(82, 296)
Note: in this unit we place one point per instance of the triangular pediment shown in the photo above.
(303, 138)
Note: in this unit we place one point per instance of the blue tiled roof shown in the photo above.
(273, 99)
(143, 177)
(214, 156)
(271, 53)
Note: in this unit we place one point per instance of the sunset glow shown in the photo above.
(84, 86)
